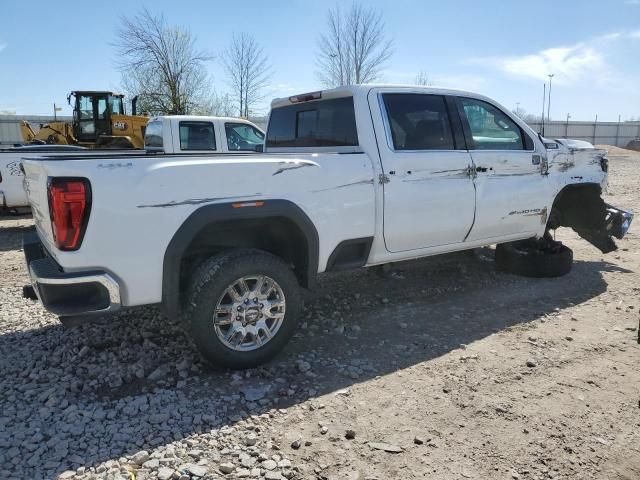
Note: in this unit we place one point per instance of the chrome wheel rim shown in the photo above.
(249, 313)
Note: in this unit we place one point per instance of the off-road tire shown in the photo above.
(208, 283)
(529, 259)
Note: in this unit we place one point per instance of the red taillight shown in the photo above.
(69, 206)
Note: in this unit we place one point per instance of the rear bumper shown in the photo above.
(65, 293)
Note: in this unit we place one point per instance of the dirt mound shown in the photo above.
(634, 145)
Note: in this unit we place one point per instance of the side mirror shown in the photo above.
(260, 148)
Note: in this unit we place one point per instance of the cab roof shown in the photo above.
(363, 90)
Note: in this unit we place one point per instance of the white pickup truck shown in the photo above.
(351, 177)
(168, 134)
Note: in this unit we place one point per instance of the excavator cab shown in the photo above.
(92, 114)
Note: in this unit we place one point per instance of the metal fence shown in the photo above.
(601, 133)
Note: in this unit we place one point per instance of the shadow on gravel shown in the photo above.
(81, 396)
(11, 237)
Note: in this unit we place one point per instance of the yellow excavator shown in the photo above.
(99, 121)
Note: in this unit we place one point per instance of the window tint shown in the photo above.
(324, 123)
(197, 136)
(241, 136)
(418, 122)
(153, 135)
(491, 128)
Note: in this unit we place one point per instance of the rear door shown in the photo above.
(510, 187)
(429, 196)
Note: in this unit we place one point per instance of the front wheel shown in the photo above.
(535, 258)
(243, 308)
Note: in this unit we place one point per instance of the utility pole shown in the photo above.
(566, 129)
(518, 109)
(618, 131)
(595, 126)
(544, 97)
(549, 106)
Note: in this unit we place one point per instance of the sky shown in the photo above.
(503, 49)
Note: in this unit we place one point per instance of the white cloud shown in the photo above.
(632, 2)
(635, 34)
(3, 46)
(568, 64)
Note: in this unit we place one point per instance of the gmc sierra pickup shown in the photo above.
(351, 177)
(168, 133)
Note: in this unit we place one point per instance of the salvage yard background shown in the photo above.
(440, 368)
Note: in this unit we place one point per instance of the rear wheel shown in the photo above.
(243, 308)
(535, 258)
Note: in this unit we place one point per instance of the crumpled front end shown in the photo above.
(581, 171)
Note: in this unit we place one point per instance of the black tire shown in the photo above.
(530, 259)
(209, 283)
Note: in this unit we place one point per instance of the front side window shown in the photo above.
(418, 121)
(241, 136)
(323, 123)
(491, 128)
(153, 135)
(197, 136)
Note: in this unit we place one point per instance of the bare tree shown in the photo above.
(218, 105)
(248, 72)
(354, 49)
(423, 79)
(161, 64)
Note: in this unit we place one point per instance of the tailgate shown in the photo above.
(35, 184)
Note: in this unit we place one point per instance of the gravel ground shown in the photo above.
(440, 368)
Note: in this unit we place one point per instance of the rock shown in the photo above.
(226, 467)
(253, 394)
(151, 464)
(159, 418)
(531, 363)
(350, 434)
(67, 474)
(140, 457)
(324, 430)
(158, 374)
(269, 465)
(568, 338)
(303, 366)
(165, 473)
(418, 440)
(284, 463)
(296, 444)
(387, 447)
(197, 470)
(250, 440)
(273, 476)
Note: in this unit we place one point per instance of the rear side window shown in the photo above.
(324, 123)
(153, 135)
(197, 136)
(418, 121)
(491, 128)
(241, 136)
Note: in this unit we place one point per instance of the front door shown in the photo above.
(429, 196)
(510, 187)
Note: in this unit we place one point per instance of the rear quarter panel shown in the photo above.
(138, 205)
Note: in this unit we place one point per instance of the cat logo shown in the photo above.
(120, 125)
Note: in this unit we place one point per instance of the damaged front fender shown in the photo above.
(582, 208)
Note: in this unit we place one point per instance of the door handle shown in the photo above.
(481, 169)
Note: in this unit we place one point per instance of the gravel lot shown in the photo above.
(440, 368)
